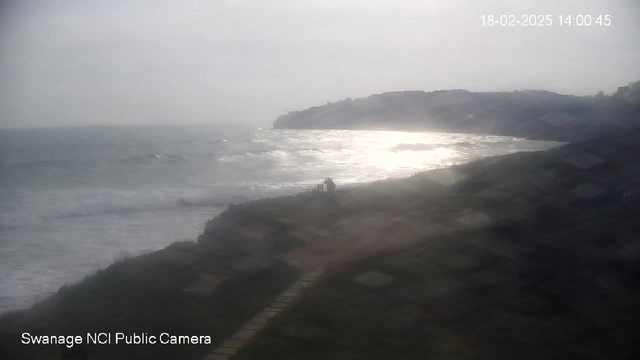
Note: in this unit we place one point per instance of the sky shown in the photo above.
(136, 62)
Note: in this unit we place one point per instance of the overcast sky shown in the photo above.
(93, 62)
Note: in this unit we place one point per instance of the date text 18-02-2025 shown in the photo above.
(546, 20)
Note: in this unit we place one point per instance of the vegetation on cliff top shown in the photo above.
(531, 113)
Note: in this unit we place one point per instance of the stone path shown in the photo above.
(228, 348)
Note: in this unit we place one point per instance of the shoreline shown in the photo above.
(254, 250)
(532, 114)
(109, 253)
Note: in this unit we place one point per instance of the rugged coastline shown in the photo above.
(532, 114)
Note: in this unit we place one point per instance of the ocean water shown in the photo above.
(74, 200)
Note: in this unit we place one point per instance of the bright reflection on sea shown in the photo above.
(74, 200)
(364, 156)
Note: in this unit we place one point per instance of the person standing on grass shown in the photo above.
(331, 186)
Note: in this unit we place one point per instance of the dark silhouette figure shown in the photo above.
(331, 187)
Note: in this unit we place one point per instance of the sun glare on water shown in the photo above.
(389, 150)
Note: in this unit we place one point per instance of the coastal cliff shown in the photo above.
(540, 115)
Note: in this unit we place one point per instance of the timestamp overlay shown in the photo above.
(545, 20)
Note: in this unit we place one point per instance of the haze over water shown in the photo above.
(73, 200)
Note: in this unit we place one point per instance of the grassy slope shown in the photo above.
(432, 232)
(551, 276)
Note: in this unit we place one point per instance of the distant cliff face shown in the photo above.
(531, 114)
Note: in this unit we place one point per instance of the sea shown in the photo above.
(74, 200)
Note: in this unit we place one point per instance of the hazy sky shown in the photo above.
(94, 62)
